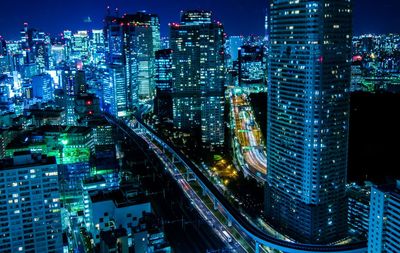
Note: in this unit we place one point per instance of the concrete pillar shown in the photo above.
(204, 192)
(215, 203)
(257, 248)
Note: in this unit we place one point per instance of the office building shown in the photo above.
(384, 221)
(80, 44)
(308, 118)
(251, 66)
(131, 43)
(115, 93)
(30, 204)
(146, 37)
(97, 47)
(197, 45)
(358, 210)
(163, 79)
(233, 45)
(42, 87)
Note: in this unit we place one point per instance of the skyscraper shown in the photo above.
(251, 65)
(308, 117)
(30, 204)
(115, 92)
(198, 75)
(384, 221)
(146, 41)
(131, 43)
(163, 79)
(42, 87)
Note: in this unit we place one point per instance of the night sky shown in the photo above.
(238, 16)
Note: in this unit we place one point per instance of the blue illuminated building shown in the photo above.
(163, 79)
(384, 219)
(251, 65)
(198, 74)
(42, 87)
(308, 118)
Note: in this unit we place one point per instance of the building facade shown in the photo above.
(198, 69)
(308, 118)
(384, 221)
(163, 79)
(131, 43)
(30, 204)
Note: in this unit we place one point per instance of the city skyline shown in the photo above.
(114, 138)
(239, 17)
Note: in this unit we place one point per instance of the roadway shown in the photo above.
(195, 199)
(248, 134)
(246, 226)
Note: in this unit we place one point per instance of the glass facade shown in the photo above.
(308, 117)
(198, 74)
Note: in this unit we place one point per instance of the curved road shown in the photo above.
(233, 214)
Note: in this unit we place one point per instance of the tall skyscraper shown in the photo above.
(308, 117)
(117, 91)
(30, 204)
(146, 41)
(163, 79)
(384, 221)
(198, 75)
(119, 85)
(131, 42)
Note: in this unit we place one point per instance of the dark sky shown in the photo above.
(238, 16)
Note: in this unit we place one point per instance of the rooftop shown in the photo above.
(25, 159)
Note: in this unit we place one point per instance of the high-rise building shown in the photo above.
(163, 79)
(197, 45)
(131, 43)
(57, 55)
(42, 87)
(233, 45)
(308, 117)
(30, 204)
(251, 65)
(69, 87)
(115, 91)
(97, 46)
(80, 82)
(358, 209)
(146, 41)
(80, 44)
(384, 220)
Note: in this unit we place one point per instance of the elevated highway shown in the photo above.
(233, 215)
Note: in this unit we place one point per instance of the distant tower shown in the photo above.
(308, 117)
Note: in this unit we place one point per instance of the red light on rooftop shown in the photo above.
(89, 102)
(357, 58)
